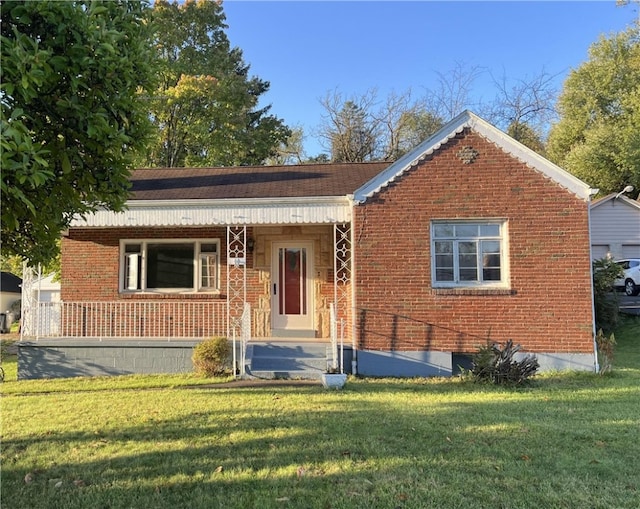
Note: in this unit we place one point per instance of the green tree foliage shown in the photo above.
(598, 135)
(526, 135)
(290, 151)
(71, 117)
(11, 264)
(205, 109)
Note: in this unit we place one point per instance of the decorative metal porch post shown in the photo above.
(236, 275)
(342, 269)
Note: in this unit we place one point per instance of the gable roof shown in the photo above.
(248, 182)
(622, 198)
(298, 194)
(469, 120)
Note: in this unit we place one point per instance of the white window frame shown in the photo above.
(457, 282)
(198, 257)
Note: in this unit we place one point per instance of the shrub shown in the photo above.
(495, 365)
(605, 299)
(606, 346)
(211, 357)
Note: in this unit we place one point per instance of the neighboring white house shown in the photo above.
(9, 290)
(615, 227)
(10, 293)
(45, 289)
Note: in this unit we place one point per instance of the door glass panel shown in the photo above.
(293, 281)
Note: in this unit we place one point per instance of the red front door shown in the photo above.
(291, 301)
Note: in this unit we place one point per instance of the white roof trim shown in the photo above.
(257, 211)
(612, 196)
(494, 135)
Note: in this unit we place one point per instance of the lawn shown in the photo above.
(570, 440)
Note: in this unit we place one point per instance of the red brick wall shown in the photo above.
(547, 307)
(91, 258)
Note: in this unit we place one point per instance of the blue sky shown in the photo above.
(306, 48)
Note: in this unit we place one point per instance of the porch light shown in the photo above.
(627, 189)
(250, 244)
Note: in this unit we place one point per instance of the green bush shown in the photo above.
(211, 357)
(495, 365)
(605, 272)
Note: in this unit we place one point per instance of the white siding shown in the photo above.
(616, 224)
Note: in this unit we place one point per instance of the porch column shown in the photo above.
(236, 275)
(342, 270)
(29, 305)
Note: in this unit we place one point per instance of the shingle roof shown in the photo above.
(306, 180)
(10, 283)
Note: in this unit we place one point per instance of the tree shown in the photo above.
(598, 135)
(71, 115)
(525, 108)
(361, 128)
(416, 126)
(605, 300)
(452, 94)
(290, 151)
(348, 130)
(354, 137)
(404, 123)
(205, 110)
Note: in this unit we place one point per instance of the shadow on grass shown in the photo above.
(568, 440)
(378, 444)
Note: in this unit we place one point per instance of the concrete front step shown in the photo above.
(290, 375)
(286, 360)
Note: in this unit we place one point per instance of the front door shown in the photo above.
(292, 288)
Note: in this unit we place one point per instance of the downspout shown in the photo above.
(354, 344)
(38, 307)
(592, 192)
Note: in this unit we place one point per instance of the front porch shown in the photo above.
(293, 277)
(68, 339)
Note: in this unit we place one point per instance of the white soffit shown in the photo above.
(486, 130)
(221, 212)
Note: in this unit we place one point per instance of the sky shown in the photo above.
(306, 49)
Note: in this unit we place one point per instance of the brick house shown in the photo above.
(413, 264)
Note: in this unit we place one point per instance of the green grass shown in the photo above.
(570, 440)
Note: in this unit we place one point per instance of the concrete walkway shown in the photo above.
(257, 383)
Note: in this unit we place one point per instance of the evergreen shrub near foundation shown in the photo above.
(496, 365)
(211, 357)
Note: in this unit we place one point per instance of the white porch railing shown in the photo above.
(126, 319)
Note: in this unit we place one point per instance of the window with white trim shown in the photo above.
(468, 254)
(169, 265)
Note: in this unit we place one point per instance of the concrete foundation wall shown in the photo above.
(71, 358)
(408, 364)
